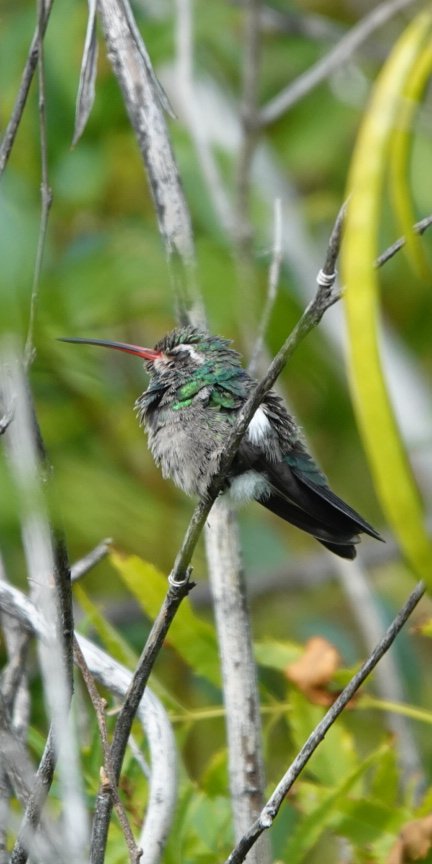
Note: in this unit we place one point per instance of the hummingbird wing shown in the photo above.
(297, 491)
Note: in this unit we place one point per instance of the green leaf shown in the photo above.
(385, 782)
(193, 638)
(367, 821)
(336, 756)
(326, 813)
(390, 467)
(277, 655)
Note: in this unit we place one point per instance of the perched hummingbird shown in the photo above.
(197, 386)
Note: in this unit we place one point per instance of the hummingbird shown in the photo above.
(197, 387)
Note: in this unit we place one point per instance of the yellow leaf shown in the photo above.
(400, 147)
(394, 480)
(193, 638)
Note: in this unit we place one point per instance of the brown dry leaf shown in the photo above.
(316, 666)
(396, 853)
(413, 843)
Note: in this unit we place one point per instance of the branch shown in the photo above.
(108, 778)
(29, 70)
(342, 52)
(249, 120)
(144, 101)
(272, 288)
(418, 228)
(369, 619)
(153, 717)
(14, 691)
(40, 787)
(273, 805)
(48, 575)
(46, 193)
(325, 297)
(81, 567)
(175, 594)
(151, 714)
(190, 99)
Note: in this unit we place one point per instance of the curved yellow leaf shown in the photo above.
(392, 473)
(400, 147)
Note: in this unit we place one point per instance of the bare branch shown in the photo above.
(419, 228)
(191, 114)
(81, 567)
(324, 298)
(50, 590)
(151, 714)
(162, 793)
(176, 593)
(367, 614)
(39, 790)
(142, 96)
(13, 681)
(29, 70)
(273, 805)
(46, 194)
(342, 52)
(272, 288)
(6, 419)
(240, 686)
(249, 122)
(99, 706)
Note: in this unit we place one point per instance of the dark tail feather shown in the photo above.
(340, 508)
(343, 550)
(341, 543)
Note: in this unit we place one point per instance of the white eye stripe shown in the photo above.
(190, 350)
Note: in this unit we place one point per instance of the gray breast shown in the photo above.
(187, 444)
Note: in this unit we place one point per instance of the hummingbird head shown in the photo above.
(180, 353)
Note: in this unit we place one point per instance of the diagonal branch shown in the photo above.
(339, 55)
(273, 805)
(27, 77)
(324, 298)
(175, 594)
(45, 189)
(99, 706)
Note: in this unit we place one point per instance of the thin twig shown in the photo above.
(249, 120)
(40, 788)
(272, 288)
(190, 97)
(151, 714)
(6, 420)
(175, 594)
(342, 52)
(418, 228)
(27, 77)
(46, 193)
(273, 805)
(99, 706)
(389, 687)
(48, 571)
(81, 567)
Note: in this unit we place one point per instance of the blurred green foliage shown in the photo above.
(105, 274)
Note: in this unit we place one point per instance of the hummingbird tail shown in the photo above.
(341, 542)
